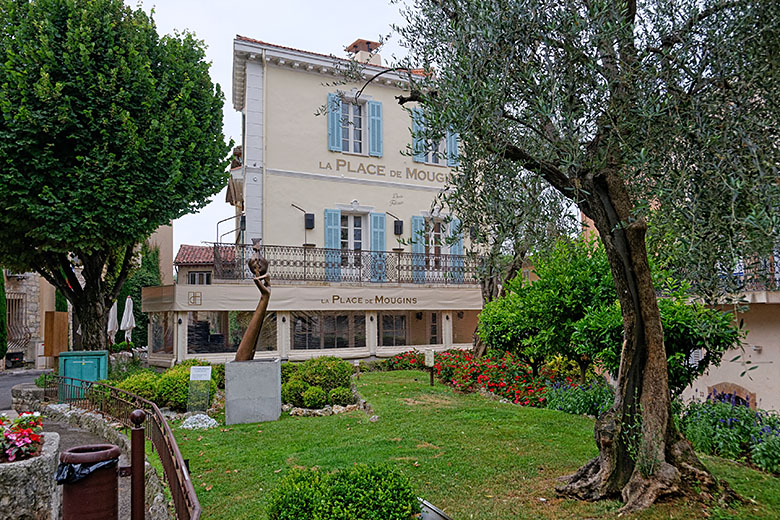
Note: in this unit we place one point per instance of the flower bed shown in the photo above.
(21, 437)
(725, 426)
(503, 375)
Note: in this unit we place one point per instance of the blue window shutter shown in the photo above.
(457, 261)
(418, 249)
(418, 141)
(375, 128)
(452, 148)
(334, 122)
(378, 255)
(333, 245)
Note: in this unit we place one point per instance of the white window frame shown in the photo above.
(348, 126)
(436, 152)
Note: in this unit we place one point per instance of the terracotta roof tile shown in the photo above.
(194, 255)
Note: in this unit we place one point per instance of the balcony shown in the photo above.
(290, 264)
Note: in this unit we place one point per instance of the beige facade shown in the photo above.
(341, 206)
(754, 370)
(163, 239)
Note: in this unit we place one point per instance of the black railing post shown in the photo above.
(137, 463)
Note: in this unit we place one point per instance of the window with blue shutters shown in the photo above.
(378, 255)
(333, 245)
(354, 126)
(374, 128)
(334, 122)
(432, 151)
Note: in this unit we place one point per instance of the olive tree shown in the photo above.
(629, 108)
(107, 131)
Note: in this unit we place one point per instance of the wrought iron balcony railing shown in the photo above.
(309, 264)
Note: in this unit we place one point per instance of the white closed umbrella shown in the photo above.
(113, 325)
(128, 320)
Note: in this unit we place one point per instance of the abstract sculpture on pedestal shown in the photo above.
(259, 267)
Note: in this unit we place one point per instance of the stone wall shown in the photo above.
(27, 487)
(30, 285)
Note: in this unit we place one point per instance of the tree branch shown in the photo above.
(375, 76)
(678, 36)
(549, 171)
(124, 272)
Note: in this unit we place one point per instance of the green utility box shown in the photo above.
(89, 365)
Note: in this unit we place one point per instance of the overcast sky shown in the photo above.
(313, 25)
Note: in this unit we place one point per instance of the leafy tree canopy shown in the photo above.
(107, 131)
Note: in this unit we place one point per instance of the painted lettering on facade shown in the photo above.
(360, 168)
(371, 300)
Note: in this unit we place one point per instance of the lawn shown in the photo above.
(473, 457)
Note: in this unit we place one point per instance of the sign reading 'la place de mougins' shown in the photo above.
(380, 170)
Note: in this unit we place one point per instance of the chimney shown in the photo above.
(364, 51)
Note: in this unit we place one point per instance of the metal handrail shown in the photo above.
(119, 404)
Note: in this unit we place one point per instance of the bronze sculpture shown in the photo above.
(259, 267)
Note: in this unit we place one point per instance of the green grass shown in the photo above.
(473, 457)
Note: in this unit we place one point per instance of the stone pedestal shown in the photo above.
(253, 391)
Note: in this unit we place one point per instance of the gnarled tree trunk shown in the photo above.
(642, 456)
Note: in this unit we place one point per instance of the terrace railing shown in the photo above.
(310, 264)
(118, 405)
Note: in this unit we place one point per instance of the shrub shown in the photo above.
(687, 327)
(314, 397)
(292, 392)
(723, 426)
(218, 374)
(40, 381)
(326, 372)
(122, 346)
(372, 493)
(301, 494)
(765, 453)
(361, 492)
(374, 366)
(174, 387)
(143, 384)
(289, 371)
(341, 396)
(592, 399)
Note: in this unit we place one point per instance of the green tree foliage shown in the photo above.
(661, 109)
(688, 327)
(60, 302)
(107, 131)
(146, 275)
(3, 318)
(536, 318)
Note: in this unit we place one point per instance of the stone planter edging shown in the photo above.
(27, 487)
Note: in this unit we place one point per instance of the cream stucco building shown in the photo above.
(341, 205)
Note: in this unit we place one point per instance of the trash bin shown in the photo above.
(88, 475)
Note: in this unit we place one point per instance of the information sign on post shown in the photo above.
(200, 387)
(429, 362)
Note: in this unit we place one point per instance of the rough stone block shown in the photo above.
(253, 391)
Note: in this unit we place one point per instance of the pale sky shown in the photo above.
(321, 26)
